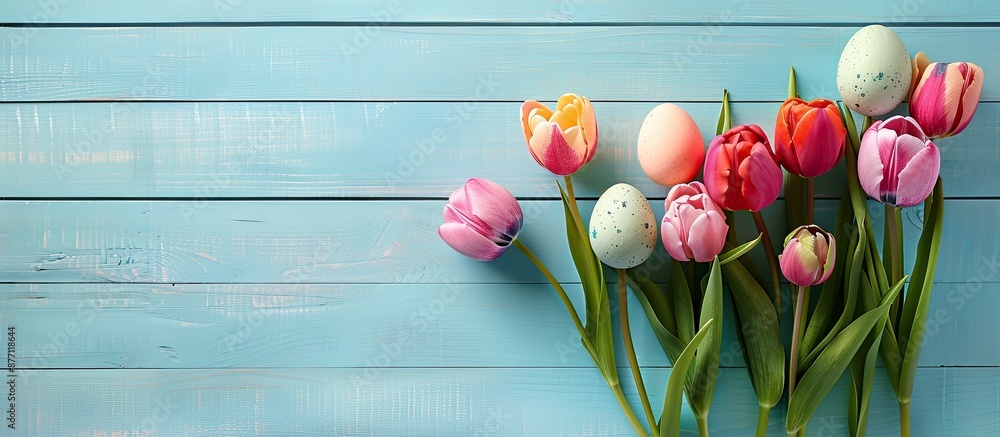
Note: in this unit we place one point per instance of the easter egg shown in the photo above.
(874, 71)
(671, 149)
(622, 227)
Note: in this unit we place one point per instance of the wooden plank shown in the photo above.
(652, 63)
(79, 326)
(203, 241)
(518, 11)
(354, 149)
(458, 401)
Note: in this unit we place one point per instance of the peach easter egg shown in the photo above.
(671, 149)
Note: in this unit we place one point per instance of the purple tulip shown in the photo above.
(809, 256)
(694, 227)
(481, 220)
(897, 163)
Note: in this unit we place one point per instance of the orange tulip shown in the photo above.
(809, 138)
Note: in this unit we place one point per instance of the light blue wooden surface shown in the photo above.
(217, 221)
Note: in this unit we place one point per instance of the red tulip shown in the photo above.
(897, 164)
(481, 220)
(809, 138)
(944, 96)
(741, 172)
(694, 227)
(809, 256)
(564, 140)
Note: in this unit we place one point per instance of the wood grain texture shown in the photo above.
(355, 149)
(452, 401)
(444, 63)
(79, 326)
(519, 11)
(202, 241)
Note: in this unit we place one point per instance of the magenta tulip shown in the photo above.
(563, 140)
(944, 96)
(694, 227)
(809, 256)
(481, 220)
(897, 163)
(809, 138)
(741, 171)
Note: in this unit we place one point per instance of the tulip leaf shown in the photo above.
(831, 363)
(683, 307)
(670, 418)
(706, 365)
(757, 330)
(598, 308)
(737, 252)
(863, 376)
(725, 117)
(659, 311)
(792, 86)
(913, 319)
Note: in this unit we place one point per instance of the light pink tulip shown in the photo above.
(897, 163)
(694, 227)
(809, 256)
(944, 96)
(741, 171)
(481, 220)
(563, 140)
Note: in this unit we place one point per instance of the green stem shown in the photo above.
(763, 415)
(562, 294)
(772, 260)
(632, 418)
(810, 201)
(702, 426)
(896, 248)
(904, 419)
(630, 351)
(573, 208)
(793, 368)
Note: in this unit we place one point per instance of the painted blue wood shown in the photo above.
(461, 64)
(202, 241)
(953, 402)
(519, 11)
(354, 149)
(179, 326)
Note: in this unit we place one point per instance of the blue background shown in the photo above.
(219, 217)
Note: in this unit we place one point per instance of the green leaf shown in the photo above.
(659, 312)
(824, 373)
(684, 309)
(863, 373)
(913, 320)
(706, 365)
(760, 338)
(853, 264)
(598, 308)
(792, 86)
(670, 418)
(737, 252)
(725, 117)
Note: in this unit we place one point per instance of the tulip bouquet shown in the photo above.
(867, 306)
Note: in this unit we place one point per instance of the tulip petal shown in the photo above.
(831, 260)
(550, 149)
(588, 122)
(799, 264)
(871, 170)
(707, 236)
(482, 202)
(919, 64)
(918, 176)
(528, 109)
(819, 140)
(469, 242)
(761, 178)
(970, 98)
(672, 241)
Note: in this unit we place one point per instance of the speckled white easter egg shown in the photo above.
(874, 71)
(622, 227)
(671, 149)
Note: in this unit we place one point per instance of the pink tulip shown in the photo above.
(481, 220)
(741, 172)
(809, 256)
(564, 140)
(809, 138)
(944, 96)
(694, 227)
(897, 164)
